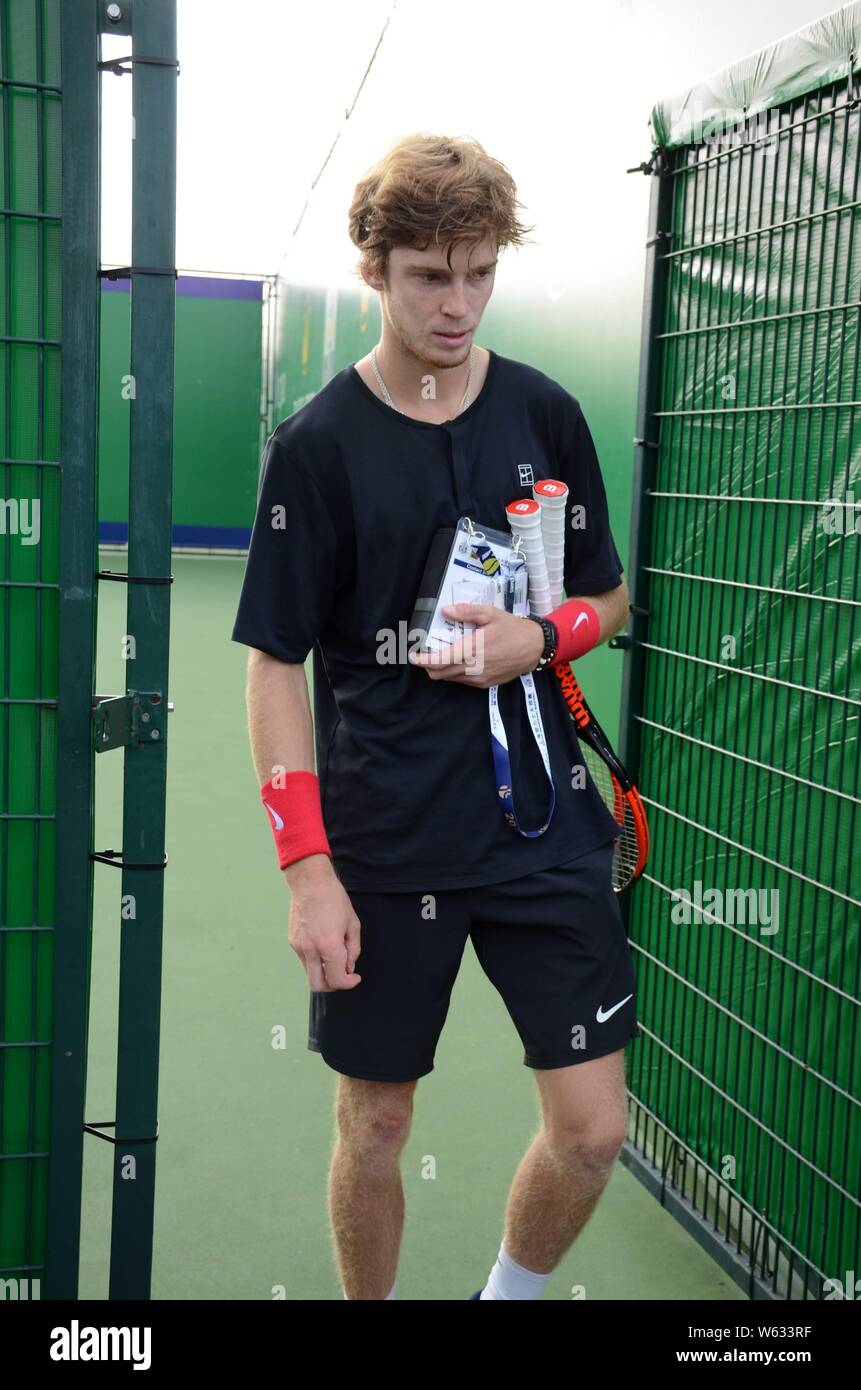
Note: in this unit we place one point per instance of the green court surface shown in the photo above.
(245, 1130)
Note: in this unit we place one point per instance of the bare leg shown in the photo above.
(568, 1165)
(366, 1195)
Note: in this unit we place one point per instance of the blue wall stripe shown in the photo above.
(201, 287)
(239, 537)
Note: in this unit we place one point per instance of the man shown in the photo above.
(408, 852)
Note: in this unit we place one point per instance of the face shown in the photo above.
(431, 311)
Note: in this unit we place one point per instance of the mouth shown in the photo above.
(454, 338)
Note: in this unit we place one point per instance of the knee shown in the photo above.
(375, 1124)
(595, 1144)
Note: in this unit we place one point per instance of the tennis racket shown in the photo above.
(613, 783)
(536, 522)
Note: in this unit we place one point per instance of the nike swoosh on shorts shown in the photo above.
(602, 1016)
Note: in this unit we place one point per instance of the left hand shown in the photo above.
(500, 648)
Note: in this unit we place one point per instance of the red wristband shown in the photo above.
(579, 629)
(296, 816)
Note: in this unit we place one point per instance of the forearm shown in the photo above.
(280, 726)
(583, 622)
(281, 731)
(612, 609)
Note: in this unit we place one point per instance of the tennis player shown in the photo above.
(398, 849)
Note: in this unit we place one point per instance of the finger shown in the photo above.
(353, 939)
(449, 673)
(468, 677)
(470, 612)
(444, 662)
(314, 969)
(428, 659)
(463, 649)
(298, 948)
(463, 666)
(336, 974)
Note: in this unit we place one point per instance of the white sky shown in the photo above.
(559, 92)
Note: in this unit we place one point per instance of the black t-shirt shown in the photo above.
(350, 497)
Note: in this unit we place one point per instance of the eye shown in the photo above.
(432, 275)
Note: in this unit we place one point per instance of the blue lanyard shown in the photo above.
(511, 576)
(502, 761)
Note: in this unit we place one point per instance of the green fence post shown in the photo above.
(153, 290)
(77, 617)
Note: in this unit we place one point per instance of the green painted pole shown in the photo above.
(153, 291)
(73, 891)
(645, 458)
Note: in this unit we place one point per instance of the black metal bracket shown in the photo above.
(658, 238)
(122, 272)
(114, 65)
(135, 578)
(647, 443)
(114, 859)
(96, 1127)
(655, 164)
(133, 719)
(621, 640)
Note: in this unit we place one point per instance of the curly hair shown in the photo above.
(433, 188)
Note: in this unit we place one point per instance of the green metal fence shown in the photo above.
(51, 722)
(741, 696)
(36, 803)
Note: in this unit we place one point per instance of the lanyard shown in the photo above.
(510, 574)
(502, 761)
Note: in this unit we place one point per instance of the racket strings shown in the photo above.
(626, 856)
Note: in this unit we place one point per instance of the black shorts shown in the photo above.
(553, 944)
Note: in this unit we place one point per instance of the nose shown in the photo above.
(455, 304)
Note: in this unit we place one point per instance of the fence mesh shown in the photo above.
(30, 307)
(745, 1082)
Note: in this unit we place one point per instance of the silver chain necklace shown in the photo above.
(388, 400)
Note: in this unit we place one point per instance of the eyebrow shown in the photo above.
(443, 270)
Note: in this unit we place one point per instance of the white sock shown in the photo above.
(508, 1279)
(388, 1295)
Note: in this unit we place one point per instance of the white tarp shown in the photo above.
(822, 52)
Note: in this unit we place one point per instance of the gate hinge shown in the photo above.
(120, 720)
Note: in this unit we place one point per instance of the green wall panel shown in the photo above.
(216, 412)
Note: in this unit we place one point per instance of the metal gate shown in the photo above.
(51, 722)
(44, 816)
(741, 691)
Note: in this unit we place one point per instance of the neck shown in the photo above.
(406, 377)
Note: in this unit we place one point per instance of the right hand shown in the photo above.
(324, 929)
